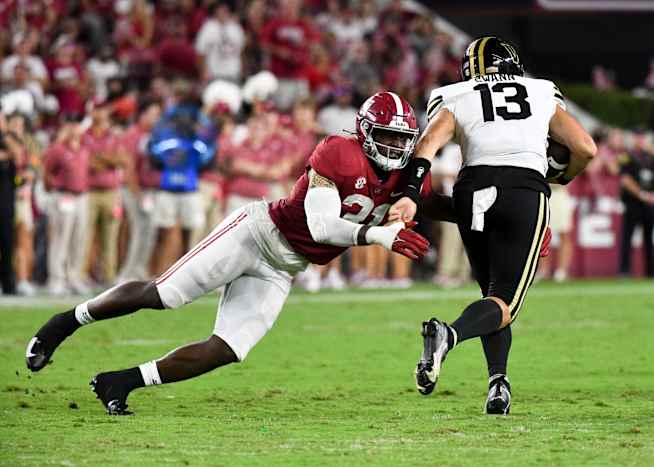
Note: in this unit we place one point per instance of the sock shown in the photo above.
(150, 373)
(131, 378)
(62, 324)
(478, 319)
(82, 314)
(496, 349)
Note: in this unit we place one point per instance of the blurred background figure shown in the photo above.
(219, 44)
(11, 157)
(561, 218)
(222, 102)
(340, 115)
(182, 143)
(105, 206)
(287, 39)
(66, 178)
(453, 265)
(637, 180)
(142, 181)
(26, 175)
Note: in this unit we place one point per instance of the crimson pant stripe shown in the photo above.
(198, 248)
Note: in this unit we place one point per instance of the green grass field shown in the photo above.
(332, 384)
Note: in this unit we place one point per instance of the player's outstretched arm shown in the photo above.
(438, 207)
(322, 206)
(438, 133)
(565, 129)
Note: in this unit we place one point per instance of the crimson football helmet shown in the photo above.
(386, 116)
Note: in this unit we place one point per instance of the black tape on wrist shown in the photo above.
(361, 235)
(418, 170)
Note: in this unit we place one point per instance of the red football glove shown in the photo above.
(409, 243)
(545, 247)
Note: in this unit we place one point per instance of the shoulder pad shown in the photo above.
(441, 96)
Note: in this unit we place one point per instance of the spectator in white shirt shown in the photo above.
(219, 44)
(339, 116)
(23, 54)
(101, 69)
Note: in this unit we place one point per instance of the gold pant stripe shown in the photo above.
(534, 250)
(514, 313)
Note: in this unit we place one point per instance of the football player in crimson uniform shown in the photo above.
(341, 200)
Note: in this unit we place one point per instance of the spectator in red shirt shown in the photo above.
(176, 54)
(133, 33)
(321, 73)
(105, 209)
(251, 166)
(143, 179)
(65, 171)
(288, 39)
(69, 83)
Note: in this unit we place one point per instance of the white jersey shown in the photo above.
(501, 119)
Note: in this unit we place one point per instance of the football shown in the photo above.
(558, 159)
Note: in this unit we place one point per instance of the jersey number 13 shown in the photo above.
(519, 97)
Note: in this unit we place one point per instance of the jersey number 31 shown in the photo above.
(520, 98)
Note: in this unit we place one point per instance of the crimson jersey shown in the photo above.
(365, 200)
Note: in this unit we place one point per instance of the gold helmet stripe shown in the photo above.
(472, 55)
(480, 55)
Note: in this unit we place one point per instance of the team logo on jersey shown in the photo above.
(360, 183)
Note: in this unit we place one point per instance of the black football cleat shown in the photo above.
(112, 392)
(435, 349)
(499, 395)
(41, 347)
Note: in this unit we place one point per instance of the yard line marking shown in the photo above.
(368, 296)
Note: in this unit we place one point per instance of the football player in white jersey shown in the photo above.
(501, 120)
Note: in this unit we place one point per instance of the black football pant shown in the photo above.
(502, 233)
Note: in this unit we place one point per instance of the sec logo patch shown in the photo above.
(360, 183)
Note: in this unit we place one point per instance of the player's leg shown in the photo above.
(514, 247)
(438, 337)
(248, 309)
(192, 276)
(117, 301)
(496, 350)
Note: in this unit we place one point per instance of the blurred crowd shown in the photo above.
(130, 128)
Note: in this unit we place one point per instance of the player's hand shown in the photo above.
(399, 237)
(409, 243)
(403, 210)
(545, 247)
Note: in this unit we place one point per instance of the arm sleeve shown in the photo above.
(323, 210)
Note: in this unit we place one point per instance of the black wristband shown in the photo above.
(361, 235)
(418, 169)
